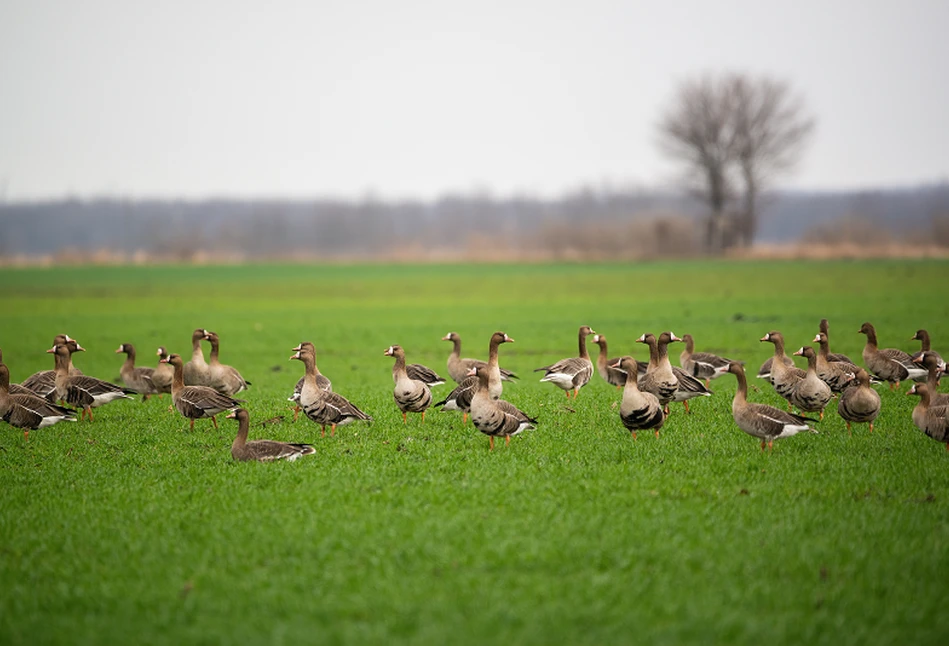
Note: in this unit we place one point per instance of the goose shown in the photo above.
(926, 346)
(164, 373)
(783, 376)
(702, 365)
(323, 406)
(811, 394)
(197, 372)
(495, 387)
(411, 395)
(262, 450)
(688, 388)
(496, 417)
(767, 423)
(43, 383)
(660, 379)
(458, 368)
(460, 397)
(836, 374)
(930, 361)
(27, 411)
(572, 373)
(197, 402)
(889, 364)
(322, 381)
(223, 378)
(137, 379)
(824, 328)
(931, 420)
(607, 367)
(83, 391)
(859, 403)
(639, 410)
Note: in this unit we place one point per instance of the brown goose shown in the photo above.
(926, 346)
(137, 379)
(197, 372)
(859, 403)
(931, 420)
(496, 417)
(767, 423)
(322, 381)
(783, 377)
(43, 383)
(458, 368)
(836, 374)
(495, 387)
(702, 365)
(660, 380)
(810, 394)
(319, 404)
(824, 328)
(224, 378)
(197, 402)
(164, 373)
(639, 410)
(607, 367)
(572, 373)
(83, 391)
(411, 395)
(262, 450)
(889, 364)
(460, 397)
(930, 361)
(27, 411)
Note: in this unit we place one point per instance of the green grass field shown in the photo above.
(131, 529)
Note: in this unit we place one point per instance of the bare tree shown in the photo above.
(733, 134)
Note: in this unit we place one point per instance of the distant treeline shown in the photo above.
(608, 221)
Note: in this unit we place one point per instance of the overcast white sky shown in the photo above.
(408, 98)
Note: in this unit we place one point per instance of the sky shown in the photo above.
(413, 99)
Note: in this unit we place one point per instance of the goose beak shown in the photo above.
(298, 348)
(119, 350)
(447, 337)
(79, 348)
(165, 360)
(816, 339)
(508, 339)
(471, 372)
(799, 352)
(51, 350)
(641, 339)
(294, 356)
(766, 337)
(388, 352)
(231, 415)
(674, 337)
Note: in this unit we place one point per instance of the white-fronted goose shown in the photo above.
(197, 372)
(926, 346)
(496, 417)
(888, 364)
(262, 450)
(197, 402)
(322, 382)
(224, 378)
(783, 377)
(572, 373)
(458, 368)
(930, 361)
(824, 328)
(411, 395)
(164, 373)
(609, 367)
(639, 410)
(137, 379)
(27, 411)
(836, 374)
(460, 397)
(701, 365)
(810, 394)
(320, 405)
(767, 423)
(660, 379)
(495, 387)
(931, 420)
(859, 403)
(82, 391)
(43, 383)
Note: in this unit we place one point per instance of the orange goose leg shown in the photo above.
(214, 421)
(333, 430)
(491, 437)
(507, 441)
(296, 412)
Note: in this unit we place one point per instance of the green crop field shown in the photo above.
(132, 529)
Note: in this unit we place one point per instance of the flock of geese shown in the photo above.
(202, 389)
